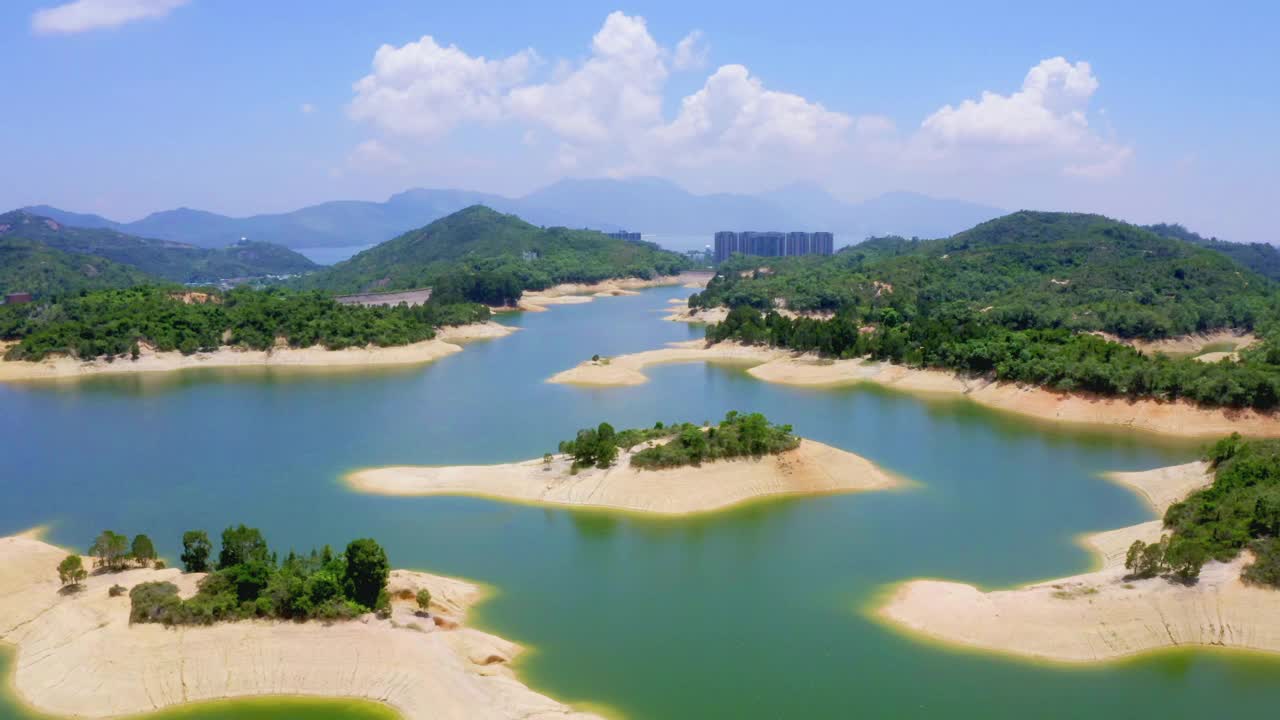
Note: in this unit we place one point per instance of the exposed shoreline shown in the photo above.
(577, 293)
(1100, 616)
(1180, 418)
(811, 469)
(78, 655)
(443, 344)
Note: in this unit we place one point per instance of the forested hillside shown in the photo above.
(1025, 270)
(482, 255)
(27, 266)
(164, 259)
(1016, 299)
(113, 323)
(1261, 258)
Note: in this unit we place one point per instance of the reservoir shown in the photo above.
(757, 612)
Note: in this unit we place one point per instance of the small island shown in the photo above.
(667, 469)
(1207, 574)
(129, 635)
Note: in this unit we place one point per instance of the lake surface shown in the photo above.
(758, 612)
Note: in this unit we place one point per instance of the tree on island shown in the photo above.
(366, 574)
(71, 571)
(424, 600)
(195, 550)
(143, 551)
(242, 545)
(110, 550)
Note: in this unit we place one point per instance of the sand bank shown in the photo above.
(78, 656)
(1101, 616)
(1189, 345)
(445, 343)
(810, 469)
(627, 369)
(772, 365)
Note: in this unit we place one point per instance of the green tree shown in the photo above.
(1184, 557)
(366, 574)
(110, 550)
(143, 551)
(424, 599)
(71, 570)
(195, 550)
(1145, 560)
(241, 545)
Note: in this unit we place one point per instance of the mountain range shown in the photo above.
(646, 205)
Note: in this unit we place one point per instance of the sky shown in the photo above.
(1144, 111)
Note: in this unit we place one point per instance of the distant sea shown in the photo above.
(331, 255)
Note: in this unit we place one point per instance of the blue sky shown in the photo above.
(1146, 111)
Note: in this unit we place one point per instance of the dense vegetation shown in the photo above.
(27, 266)
(682, 444)
(1012, 299)
(1261, 258)
(1240, 510)
(173, 261)
(1025, 270)
(113, 323)
(249, 582)
(481, 255)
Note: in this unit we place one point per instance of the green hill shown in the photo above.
(164, 259)
(1261, 258)
(487, 256)
(1028, 269)
(27, 266)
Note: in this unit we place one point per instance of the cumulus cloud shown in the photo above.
(424, 89)
(604, 114)
(1047, 116)
(691, 52)
(85, 15)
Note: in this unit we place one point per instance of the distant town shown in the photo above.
(772, 244)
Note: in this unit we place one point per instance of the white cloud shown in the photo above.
(1046, 117)
(424, 89)
(691, 52)
(615, 92)
(85, 15)
(307, 108)
(604, 114)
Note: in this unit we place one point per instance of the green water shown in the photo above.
(753, 613)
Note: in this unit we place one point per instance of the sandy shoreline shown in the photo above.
(78, 655)
(444, 344)
(1100, 616)
(1179, 418)
(576, 293)
(813, 468)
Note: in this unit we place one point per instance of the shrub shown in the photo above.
(116, 590)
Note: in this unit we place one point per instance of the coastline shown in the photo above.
(1100, 616)
(1178, 418)
(443, 344)
(576, 293)
(77, 654)
(811, 469)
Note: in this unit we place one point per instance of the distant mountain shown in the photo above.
(648, 205)
(174, 261)
(28, 266)
(493, 254)
(1261, 258)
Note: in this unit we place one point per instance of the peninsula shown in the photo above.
(79, 655)
(670, 470)
(1152, 591)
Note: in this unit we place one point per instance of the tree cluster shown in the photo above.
(738, 435)
(249, 582)
(112, 323)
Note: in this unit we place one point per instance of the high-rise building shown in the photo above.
(624, 235)
(772, 244)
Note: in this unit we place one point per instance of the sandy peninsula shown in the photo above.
(778, 366)
(445, 343)
(628, 369)
(1100, 615)
(77, 654)
(812, 468)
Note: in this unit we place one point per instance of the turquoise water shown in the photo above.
(753, 613)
